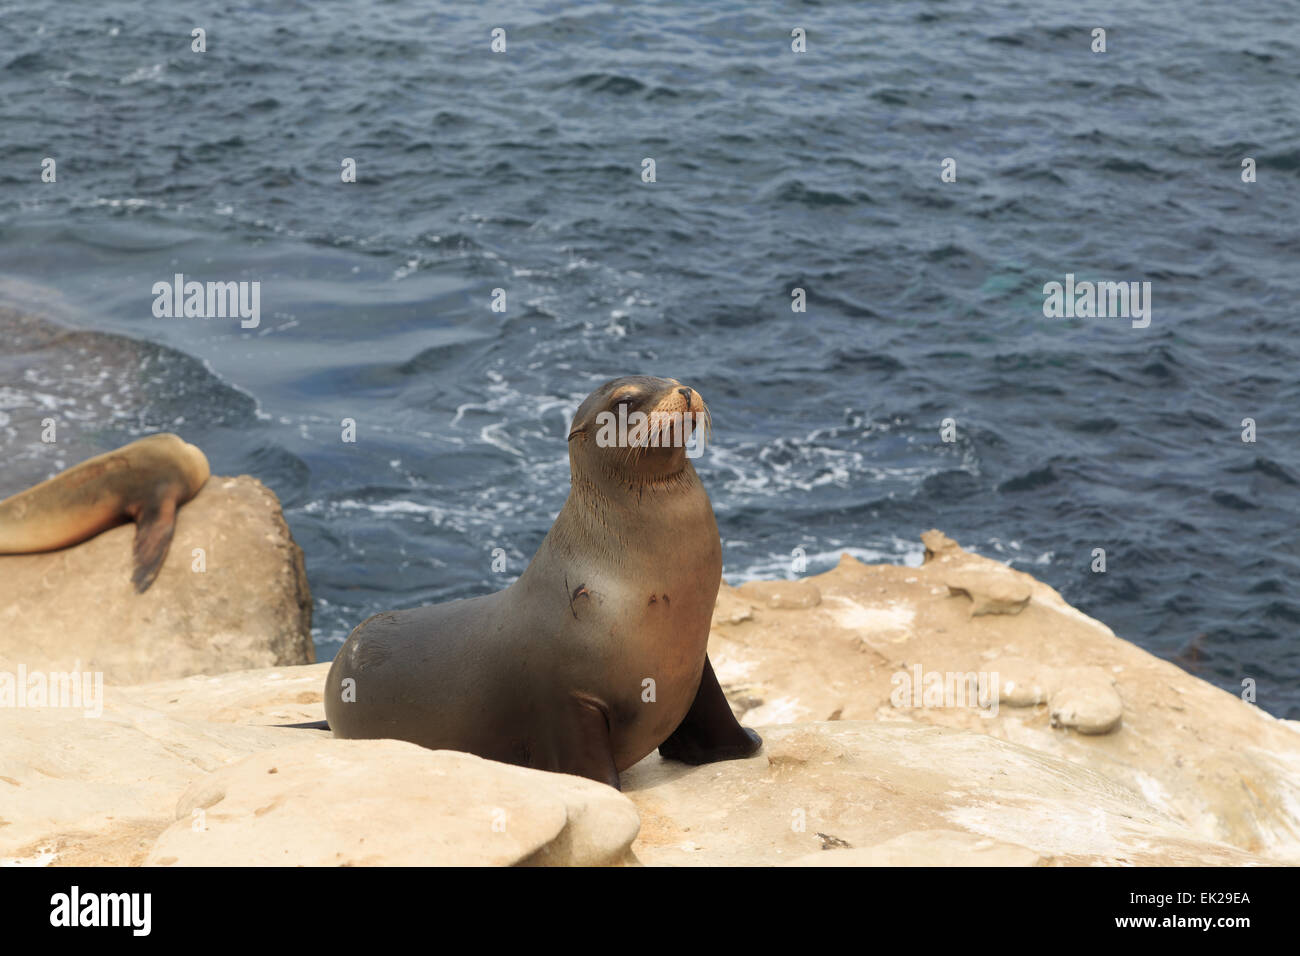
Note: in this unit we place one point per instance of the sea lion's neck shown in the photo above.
(604, 517)
(629, 490)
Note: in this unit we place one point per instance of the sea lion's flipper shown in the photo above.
(153, 535)
(583, 746)
(309, 725)
(710, 731)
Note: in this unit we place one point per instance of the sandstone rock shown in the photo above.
(92, 791)
(78, 790)
(122, 789)
(1225, 769)
(270, 697)
(251, 607)
(937, 546)
(991, 593)
(386, 802)
(930, 848)
(782, 594)
(84, 791)
(1085, 700)
(1189, 776)
(81, 791)
(730, 607)
(865, 784)
(1021, 683)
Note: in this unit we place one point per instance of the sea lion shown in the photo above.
(597, 654)
(145, 482)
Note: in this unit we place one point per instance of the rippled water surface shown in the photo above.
(775, 171)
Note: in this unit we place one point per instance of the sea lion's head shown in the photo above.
(188, 460)
(197, 469)
(638, 431)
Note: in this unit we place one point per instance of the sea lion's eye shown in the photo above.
(627, 400)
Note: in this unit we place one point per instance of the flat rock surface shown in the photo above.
(1225, 769)
(329, 802)
(123, 788)
(855, 792)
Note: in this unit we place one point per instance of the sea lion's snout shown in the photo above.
(681, 402)
(677, 398)
(679, 421)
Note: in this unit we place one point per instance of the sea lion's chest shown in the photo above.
(650, 624)
(657, 617)
(627, 605)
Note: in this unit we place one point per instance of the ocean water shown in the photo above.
(775, 171)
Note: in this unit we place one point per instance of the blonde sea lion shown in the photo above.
(597, 654)
(145, 482)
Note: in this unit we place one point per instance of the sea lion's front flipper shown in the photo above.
(710, 731)
(583, 746)
(154, 525)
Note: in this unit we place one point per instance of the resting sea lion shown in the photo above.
(145, 482)
(597, 654)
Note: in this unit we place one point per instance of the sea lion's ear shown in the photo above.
(577, 431)
(153, 535)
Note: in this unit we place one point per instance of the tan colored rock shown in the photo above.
(731, 607)
(92, 791)
(1187, 771)
(123, 788)
(929, 848)
(1021, 683)
(78, 790)
(251, 607)
(103, 791)
(1227, 770)
(269, 697)
(1085, 700)
(938, 546)
(991, 593)
(386, 802)
(899, 787)
(785, 595)
(87, 791)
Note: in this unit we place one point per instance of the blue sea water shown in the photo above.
(775, 171)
